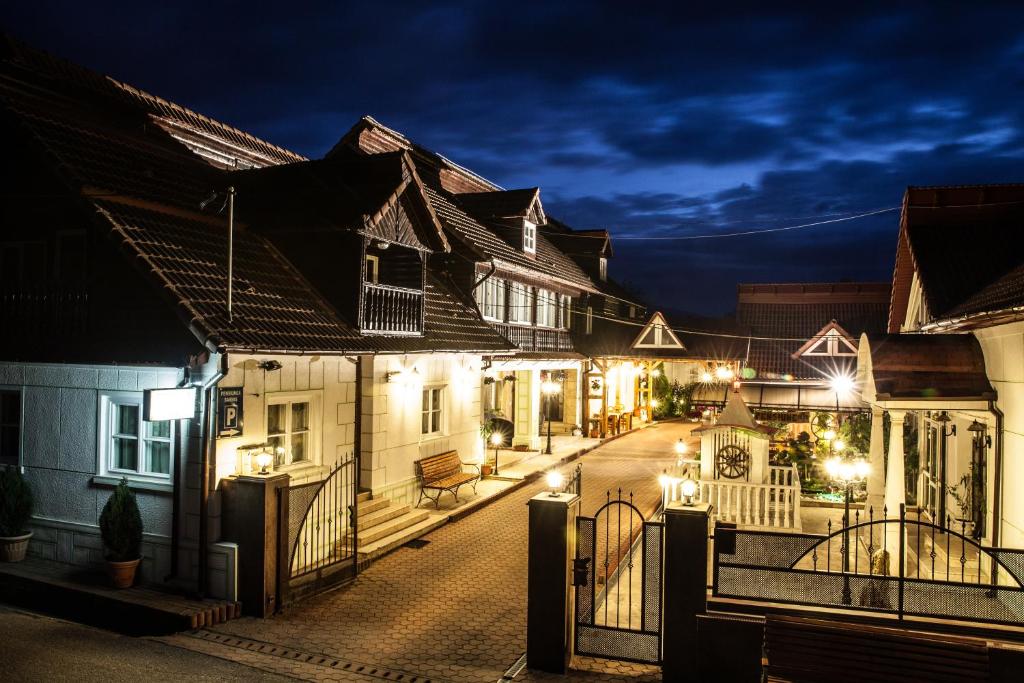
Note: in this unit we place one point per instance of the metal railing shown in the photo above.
(908, 567)
(574, 484)
(535, 338)
(47, 310)
(392, 310)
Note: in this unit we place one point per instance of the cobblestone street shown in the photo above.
(453, 610)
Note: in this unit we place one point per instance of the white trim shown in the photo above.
(664, 337)
(529, 236)
(314, 427)
(440, 407)
(376, 269)
(105, 435)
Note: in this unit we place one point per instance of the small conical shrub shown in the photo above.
(15, 503)
(121, 525)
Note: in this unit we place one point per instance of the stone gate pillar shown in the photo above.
(876, 455)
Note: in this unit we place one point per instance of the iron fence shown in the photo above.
(908, 567)
(574, 485)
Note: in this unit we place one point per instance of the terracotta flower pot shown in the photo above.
(485, 470)
(13, 548)
(123, 573)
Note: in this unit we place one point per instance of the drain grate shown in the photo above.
(310, 658)
(514, 670)
(416, 543)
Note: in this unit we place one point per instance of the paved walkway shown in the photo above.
(453, 610)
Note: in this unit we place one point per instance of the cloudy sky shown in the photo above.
(648, 120)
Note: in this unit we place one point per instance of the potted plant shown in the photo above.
(121, 529)
(15, 511)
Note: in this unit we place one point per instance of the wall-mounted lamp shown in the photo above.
(943, 419)
(980, 431)
(404, 376)
(269, 365)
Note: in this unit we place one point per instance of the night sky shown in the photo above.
(645, 121)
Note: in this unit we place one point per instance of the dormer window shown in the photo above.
(602, 266)
(529, 236)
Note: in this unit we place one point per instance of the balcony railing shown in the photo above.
(535, 338)
(44, 311)
(392, 310)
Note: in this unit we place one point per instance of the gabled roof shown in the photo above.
(831, 340)
(960, 240)
(143, 187)
(656, 334)
(504, 204)
(784, 319)
(447, 183)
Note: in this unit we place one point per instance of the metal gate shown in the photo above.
(322, 532)
(618, 609)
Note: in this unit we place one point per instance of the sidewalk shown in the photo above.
(85, 595)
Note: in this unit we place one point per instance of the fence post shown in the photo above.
(685, 583)
(903, 554)
(256, 518)
(551, 545)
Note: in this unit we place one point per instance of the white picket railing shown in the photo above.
(775, 505)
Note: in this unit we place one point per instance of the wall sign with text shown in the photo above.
(229, 411)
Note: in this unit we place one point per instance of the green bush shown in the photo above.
(121, 525)
(15, 503)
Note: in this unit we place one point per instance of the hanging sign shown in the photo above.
(169, 404)
(229, 411)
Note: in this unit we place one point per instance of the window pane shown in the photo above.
(126, 453)
(10, 407)
(126, 420)
(425, 427)
(275, 418)
(300, 417)
(9, 445)
(299, 447)
(158, 457)
(435, 421)
(436, 404)
(277, 445)
(160, 429)
(426, 400)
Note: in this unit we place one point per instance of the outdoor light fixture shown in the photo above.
(405, 376)
(839, 445)
(549, 389)
(169, 404)
(654, 403)
(263, 461)
(554, 479)
(664, 480)
(847, 472)
(829, 434)
(269, 365)
(655, 372)
(979, 430)
(723, 372)
(841, 384)
(497, 439)
(705, 377)
(944, 419)
(680, 447)
(688, 489)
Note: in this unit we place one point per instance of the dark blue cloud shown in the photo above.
(655, 119)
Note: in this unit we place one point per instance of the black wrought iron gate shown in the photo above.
(618, 610)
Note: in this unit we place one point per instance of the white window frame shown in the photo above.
(565, 309)
(429, 406)
(375, 260)
(491, 299)
(602, 267)
(529, 236)
(520, 309)
(314, 431)
(20, 426)
(547, 308)
(106, 436)
(590, 320)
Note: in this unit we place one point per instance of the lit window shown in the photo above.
(432, 416)
(590, 319)
(372, 268)
(566, 312)
(529, 237)
(132, 446)
(291, 428)
(603, 268)
(520, 308)
(491, 298)
(10, 427)
(547, 308)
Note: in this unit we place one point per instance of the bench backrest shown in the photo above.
(801, 649)
(439, 466)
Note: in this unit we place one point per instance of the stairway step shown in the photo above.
(364, 496)
(368, 521)
(374, 549)
(373, 505)
(392, 526)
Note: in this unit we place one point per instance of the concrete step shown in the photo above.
(370, 520)
(372, 505)
(364, 496)
(392, 526)
(374, 549)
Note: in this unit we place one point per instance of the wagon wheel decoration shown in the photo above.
(821, 423)
(732, 462)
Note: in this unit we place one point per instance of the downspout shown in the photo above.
(357, 447)
(482, 280)
(176, 489)
(209, 386)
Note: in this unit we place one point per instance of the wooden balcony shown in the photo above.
(44, 311)
(391, 310)
(536, 338)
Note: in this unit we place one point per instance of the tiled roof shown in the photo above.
(499, 204)
(614, 337)
(792, 313)
(146, 187)
(967, 246)
(928, 366)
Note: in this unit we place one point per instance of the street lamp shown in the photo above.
(497, 438)
(847, 471)
(549, 389)
(680, 448)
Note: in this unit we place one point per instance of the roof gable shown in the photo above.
(504, 204)
(656, 334)
(831, 340)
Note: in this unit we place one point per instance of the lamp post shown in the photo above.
(847, 471)
(496, 440)
(549, 389)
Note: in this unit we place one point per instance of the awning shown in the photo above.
(782, 396)
(923, 372)
(524, 364)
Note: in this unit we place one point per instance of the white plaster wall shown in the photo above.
(391, 412)
(59, 459)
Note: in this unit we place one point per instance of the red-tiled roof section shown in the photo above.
(966, 244)
(790, 314)
(929, 366)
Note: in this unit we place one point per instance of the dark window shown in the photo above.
(69, 265)
(10, 426)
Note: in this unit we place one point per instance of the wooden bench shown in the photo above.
(443, 472)
(801, 650)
